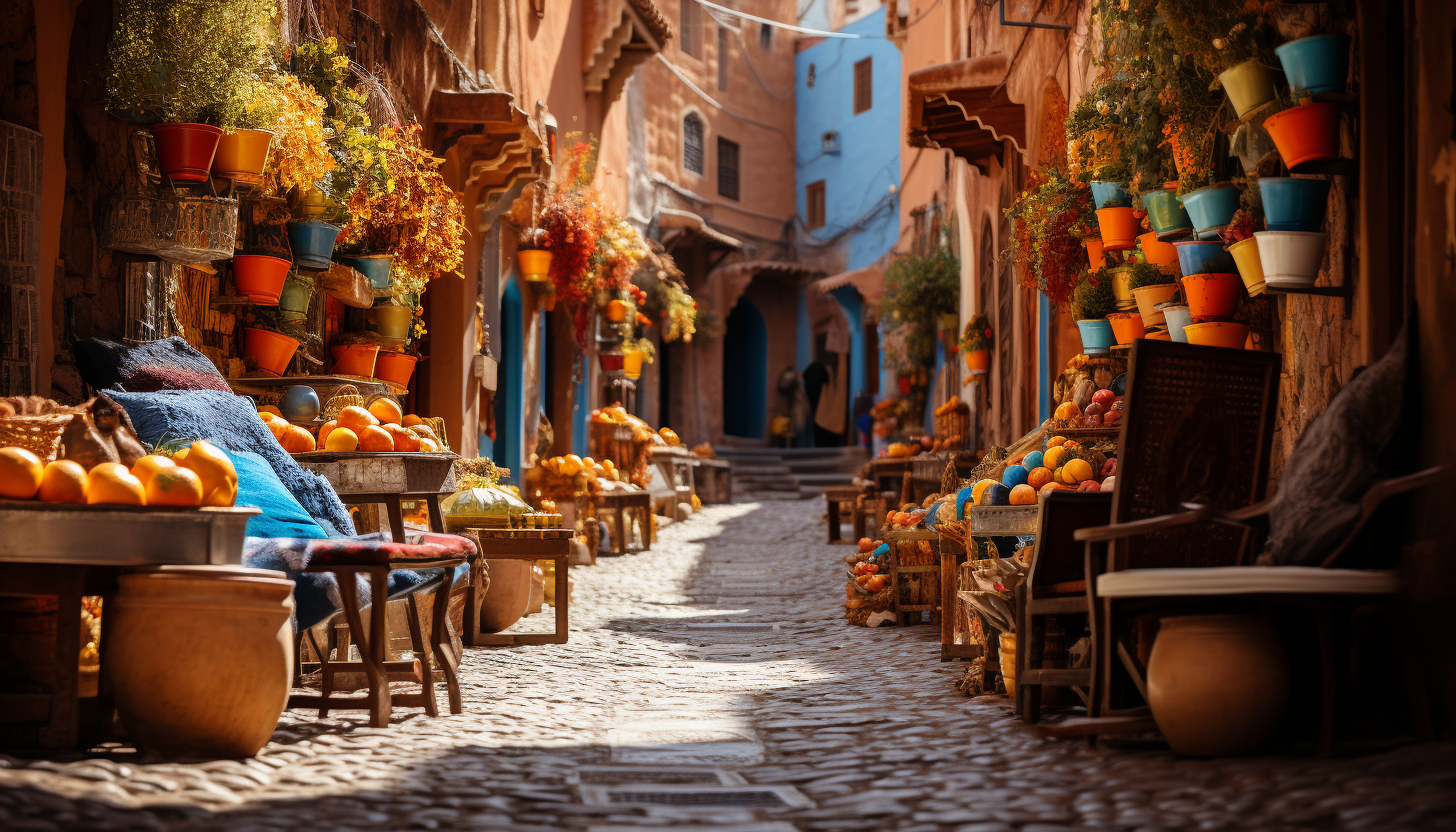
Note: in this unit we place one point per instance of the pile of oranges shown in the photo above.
(379, 427)
(198, 475)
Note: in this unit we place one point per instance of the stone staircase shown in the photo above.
(801, 472)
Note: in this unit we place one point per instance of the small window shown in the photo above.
(863, 88)
(765, 36)
(693, 143)
(688, 38)
(814, 196)
(722, 58)
(811, 76)
(727, 168)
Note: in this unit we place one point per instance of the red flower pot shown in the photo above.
(185, 151)
(1212, 295)
(271, 351)
(260, 277)
(612, 362)
(1305, 133)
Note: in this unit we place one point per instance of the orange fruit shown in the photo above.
(269, 410)
(410, 420)
(404, 438)
(111, 482)
(1076, 470)
(1055, 441)
(323, 432)
(386, 410)
(1038, 477)
(1067, 410)
(277, 425)
(1053, 457)
(144, 468)
(296, 440)
(1050, 487)
(356, 418)
(174, 486)
(428, 446)
(1023, 495)
(375, 439)
(215, 469)
(20, 473)
(64, 481)
(342, 440)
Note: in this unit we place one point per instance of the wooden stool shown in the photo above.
(833, 497)
(373, 642)
(391, 501)
(517, 544)
(621, 505)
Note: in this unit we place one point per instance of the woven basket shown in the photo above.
(41, 435)
(437, 424)
(347, 395)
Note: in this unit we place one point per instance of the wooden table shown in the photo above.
(889, 473)
(677, 466)
(834, 496)
(517, 544)
(388, 478)
(70, 551)
(714, 481)
(952, 555)
(622, 503)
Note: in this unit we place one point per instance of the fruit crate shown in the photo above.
(999, 521)
(914, 570)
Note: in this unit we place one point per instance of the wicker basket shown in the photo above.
(869, 604)
(347, 395)
(956, 423)
(437, 424)
(40, 434)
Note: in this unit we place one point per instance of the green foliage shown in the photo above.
(1146, 274)
(1093, 298)
(1220, 34)
(191, 61)
(359, 160)
(918, 290)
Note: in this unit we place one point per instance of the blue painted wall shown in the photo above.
(857, 179)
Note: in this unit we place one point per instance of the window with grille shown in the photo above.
(691, 20)
(765, 36)
(814, 205)
(693, 143)
(727, 168)
(863, 95)
(722, 58)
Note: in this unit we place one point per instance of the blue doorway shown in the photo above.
(745, 371)
(506, 449)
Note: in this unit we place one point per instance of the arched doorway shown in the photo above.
(506, 449)
(745, 371)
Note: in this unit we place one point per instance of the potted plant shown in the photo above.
(1092, 302)
(918, 290)
(354, 358)
(976, 343)
(395, 367)
(1048, 221)
(1156, 251)
(635, 353)
(1318, 63)
(1126, 326)
(1293, 203)
(299, 154)
(1227, 40)
(533, 256)
(1304, 130)
(1290, 258)
(1211, 295)
(190, 71)
(260, 277)
(1151, 286)
(1211, 207)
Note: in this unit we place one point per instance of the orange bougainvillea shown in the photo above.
(300, 153)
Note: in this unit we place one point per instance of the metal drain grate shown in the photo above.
(746, 797)
(696, 797)
(613, 775)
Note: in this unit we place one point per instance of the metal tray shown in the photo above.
(373, 472)
(113, 535)
(1000, 521)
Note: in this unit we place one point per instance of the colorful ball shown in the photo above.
(1032, 460)
(1015, 475)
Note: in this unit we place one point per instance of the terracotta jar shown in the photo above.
(1217, 684)
(508, 596)
(200, 658)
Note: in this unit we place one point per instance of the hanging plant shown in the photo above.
(1048, 220)
(977, 335)
(918, 290)
(1093, 299)
(1217, 36)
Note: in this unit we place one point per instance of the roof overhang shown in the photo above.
(491, 148)
(965, 107)
(621, 34)
(687, 224)
(869, 281)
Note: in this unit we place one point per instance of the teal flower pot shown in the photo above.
(1110, 194)
(1295, 204)
(1097, 337)
(1316, 64)
(312, 243)
(1211, 208)
(1199, 257)
(1166, 213)
(373, 266)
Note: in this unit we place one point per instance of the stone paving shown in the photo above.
(712, 684)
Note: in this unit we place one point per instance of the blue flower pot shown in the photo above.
(1166, 213)
(1097, 337)
(373, 266)
(1295, 204)
(1211, 208)
(312, 243)
(1199, 257)
(1316, 64)
(1110, 194)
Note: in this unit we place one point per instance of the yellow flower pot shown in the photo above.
(1249, 85)
(632, 363)
(1251, 269)
(535, 264)
(242, 153)
(392, 321)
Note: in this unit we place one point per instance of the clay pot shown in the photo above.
(376, 267)
(1212, 295)
(200, 658)
(1096, 336)
(1305, 133)
(185, 151)
(611, 361)
(1118, 227)
(260, 277)
(392, 321)
(978, 361)
(1290, 258)
(354, 359)
(508, 596)
(1106, 193)
(535, 264)
(1217, 334)
(397, 367)
(1148, 298)
(1316, 64)
(1122, 287)
(1094, 252)
(1126, 326)
(1211, 208)
(271, 351)
(632, 361)
(242, 153)
(1177, 317)
(1249, 85)
(1156, 252)
(1251, 268)
(1217, 684)
(1166, 213)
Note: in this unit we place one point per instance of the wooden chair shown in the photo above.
(1055, 586)
(835, 497)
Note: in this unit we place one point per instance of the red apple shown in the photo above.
(1103, 397)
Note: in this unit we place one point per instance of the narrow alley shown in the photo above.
(711, 683)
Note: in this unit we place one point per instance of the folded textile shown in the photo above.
(166, 364)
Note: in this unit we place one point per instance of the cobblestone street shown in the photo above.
(719, 669)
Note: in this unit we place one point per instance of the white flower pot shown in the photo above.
(1291, 258)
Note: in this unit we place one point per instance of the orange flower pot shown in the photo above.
(632, 361)
(978, 361)
(242, 153)
(355, 359)
(1158, 253)
(1212, 295)
(1126, 326)
(397, 367)
(1159, 334)
(185, 150)
(260, 277)
(1148, 298)
(271, 351)
(1305, 133)
(535, 264)
(1094, 252)
(1218, 334)
(1118, 227)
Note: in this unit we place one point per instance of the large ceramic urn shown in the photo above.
(508, 596)
(1217, 684)
(200, 658)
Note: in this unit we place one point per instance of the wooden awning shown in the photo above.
(618, 36)
(869, 281)
(491, 148)
(965, 107)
